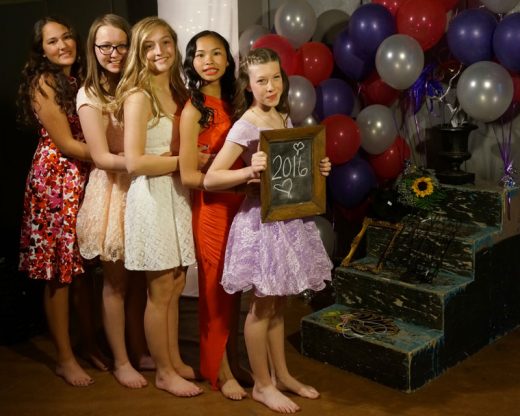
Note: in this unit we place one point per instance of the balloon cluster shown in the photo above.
(342, 68)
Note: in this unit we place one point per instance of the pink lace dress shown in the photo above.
(100, 224)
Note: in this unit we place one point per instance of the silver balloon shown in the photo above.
(327, 235)
(377, 128)
(295, 20)
(485, 90)
(500, 6)
(329, 25)
(308, 121)
(399, 61)
(250, 36)
(302, 98)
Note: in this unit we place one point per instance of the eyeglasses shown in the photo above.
(108, 49)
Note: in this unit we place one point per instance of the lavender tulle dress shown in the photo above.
(276, 258)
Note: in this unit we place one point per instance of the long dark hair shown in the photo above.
(37, 66)
(243, 97)
(195, 82)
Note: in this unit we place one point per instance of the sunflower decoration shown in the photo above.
(419, 188)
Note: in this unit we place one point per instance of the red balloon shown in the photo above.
(282, 47)
(316, 62)
(389, 164)
(516, 86)
(449, 4)
(424, 20)
(342, 138)
(391, 5)
(376, 91)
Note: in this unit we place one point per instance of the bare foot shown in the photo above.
(186, 371)
(232, 390)
(177, 386)
(73, 374)
(293, 385)
(146, 363)
(274, 399)
(129, 377)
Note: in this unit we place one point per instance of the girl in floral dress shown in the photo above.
(54, 187)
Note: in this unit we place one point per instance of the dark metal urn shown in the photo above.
(454, 145)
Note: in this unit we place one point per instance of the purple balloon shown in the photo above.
(347, 59)
(470, 36)
(333, 96)
(351, 182)
(370, 25)
(506, 40)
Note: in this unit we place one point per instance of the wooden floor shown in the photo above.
(487, 383)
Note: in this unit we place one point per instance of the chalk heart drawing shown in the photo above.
(298, 147)
(285, 187)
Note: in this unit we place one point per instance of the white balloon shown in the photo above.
(500, 6)
(377, 128)
(302, 98)
(295, 20)
(250, 36)
(485, 90)
(399, 61)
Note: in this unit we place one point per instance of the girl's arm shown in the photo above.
(191, 175)
(94, 130)
(137, 112)
(55, 121)
(220, 176)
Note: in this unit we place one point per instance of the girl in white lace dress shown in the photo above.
(158, 235)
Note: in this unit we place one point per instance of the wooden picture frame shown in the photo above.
(292, 185)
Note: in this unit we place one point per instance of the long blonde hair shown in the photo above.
(94, 78)
(137, 75)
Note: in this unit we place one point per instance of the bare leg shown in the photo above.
(56, 303)
(242, 375)
(134, 308)
(160, 292)
(284, 380)
(114, 289)
(255, 332)
(229, 386)
(181, 368)
(83, 299)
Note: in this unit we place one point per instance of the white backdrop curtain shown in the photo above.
(189, 17)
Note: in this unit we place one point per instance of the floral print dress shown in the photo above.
(53, 192)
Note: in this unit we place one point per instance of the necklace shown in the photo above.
(269, 122)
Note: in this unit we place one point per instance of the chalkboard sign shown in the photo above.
(292, 185)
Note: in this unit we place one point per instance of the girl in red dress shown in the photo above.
(205, 122)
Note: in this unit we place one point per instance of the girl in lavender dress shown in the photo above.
(275, 259)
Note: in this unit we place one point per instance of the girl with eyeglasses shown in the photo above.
(100, 224)
(54, 188)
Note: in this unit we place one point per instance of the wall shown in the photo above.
(16, 20)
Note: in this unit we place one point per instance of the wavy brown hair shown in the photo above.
(95, 72)
(137, 74)
(37, 66)
(243, 97)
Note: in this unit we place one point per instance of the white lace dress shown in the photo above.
(158, 233)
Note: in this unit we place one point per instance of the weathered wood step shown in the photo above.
(404, 361)
(418, 303)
